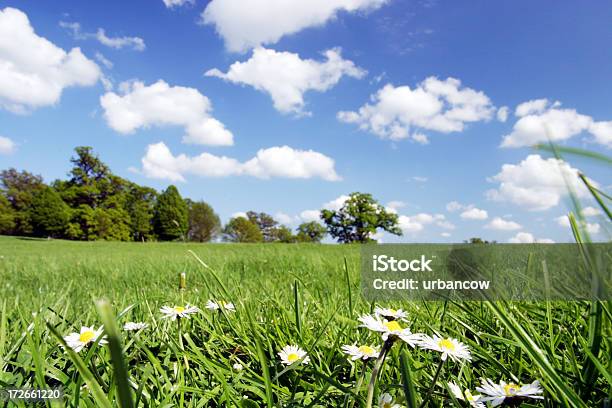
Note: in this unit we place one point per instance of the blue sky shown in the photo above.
(289, 129)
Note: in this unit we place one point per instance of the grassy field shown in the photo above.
(304, 295)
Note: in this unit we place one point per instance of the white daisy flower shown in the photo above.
(291, 354)
(465, 395)
(87, 335)
(237, 367)
(386, 401)
(448, 346)
(132, 326)
(391, 329)
(497, 393)
(390, 314)
(212, 305)
(175, 312)
(361, 352)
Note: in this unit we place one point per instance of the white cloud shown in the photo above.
(7, 146)
(536, 183)
(502, 114)
(286, 77)
(394, 206)
(136, 43)
(159, 104)
(541, 121)
(336, 204)
(474, 214)
(310, 215)
(33, 70)
(454, 206)
(266, 21)
(591, 227)
(416, 223)
(239, 214)
(420, 138)
(285, 162)
(285, 219)
(104, 61)
(445, 234)
(590, 211)
(438, 105)
(500, 224)
(177, 3)
(528, 238)
(420, 179)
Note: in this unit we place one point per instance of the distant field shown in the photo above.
(58, 282)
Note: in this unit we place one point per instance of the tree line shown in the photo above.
(95, 204)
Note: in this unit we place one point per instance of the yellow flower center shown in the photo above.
(292, 357)
(446, 344)
(367, 350)
(179, 309)
(86, 336)
(393, 325)
(510, 389)
(387, 405)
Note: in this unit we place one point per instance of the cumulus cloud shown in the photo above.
(500, 224)
(284, 162)
(310, 215)
(266, 21)
(286, 77)
(454, 206)
(136, 43)
(590, 211)
(7, 146)
(541, 120)
(474, 214)
(177, 3)
(528, 238)
(33, 70)
(439, 105)
(502, 114)
(536, 183)
(591, 227)
(104, 61)
(159, 104)
(416, 223)
(394, 206)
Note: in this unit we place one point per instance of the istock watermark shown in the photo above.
(486, 272)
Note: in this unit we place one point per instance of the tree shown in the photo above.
(91, 181)
(266, 224)
(170, 219)
(311, 232)
(283, 234)
(140, 204)
(359, 218)
(204, 224)
(19, 187)
(478, 240)
(7, 216)
(240, 229)
(49, 214)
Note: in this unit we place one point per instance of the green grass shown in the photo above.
(284, 294)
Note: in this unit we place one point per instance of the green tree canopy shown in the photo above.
(171, 215)
(204, 224)
(360, 217)
(7, 216)
(240, 229)
(284, 234)
(266, 224)
(19, 187)
(311, 232)
(48, 213)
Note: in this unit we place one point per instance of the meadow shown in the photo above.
(306, 295)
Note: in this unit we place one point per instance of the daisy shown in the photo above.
(386, 401)
(390, 314)
(390, 329)
(291, 354)
(497, 393)
(178, 311)
(448, 346)
(466, 395)
(87, 335)
(132, 326)
(212, 305)
(361, 352)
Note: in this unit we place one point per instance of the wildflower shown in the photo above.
(390, 314)
(291, 354)
(466, 395)
(212, 305)
(448, 346)
(390, 329)
(498, 393)
(132, 326)
(386, 401)
(178, 311)
(87, 335)
(237, 367)
(361, 352)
